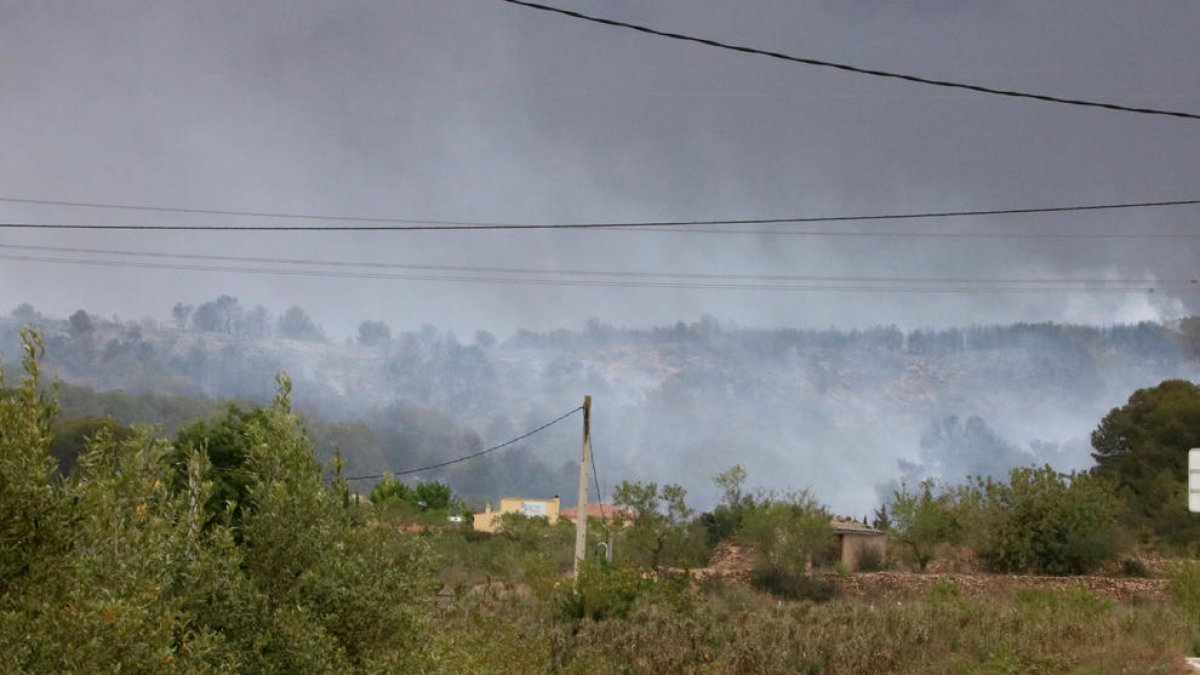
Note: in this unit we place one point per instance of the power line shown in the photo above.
(596, 481)
(418, 225)
(877, 286)
(282, 215)
(621, 274)
(599, 499)
(852, 69)
(1164, 236)
(473, 455)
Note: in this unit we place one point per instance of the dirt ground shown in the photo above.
(898, 585)
(733, 564)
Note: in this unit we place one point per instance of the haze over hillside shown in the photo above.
(845, 412)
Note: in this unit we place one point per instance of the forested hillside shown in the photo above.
(851, 410)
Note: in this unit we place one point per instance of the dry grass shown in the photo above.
(735, 630)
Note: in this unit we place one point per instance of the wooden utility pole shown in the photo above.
(581, 508)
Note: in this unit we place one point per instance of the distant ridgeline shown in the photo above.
(858, 408)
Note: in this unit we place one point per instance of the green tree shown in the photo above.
(181, 314)
(922, 521)
(791, 532)
(1142, 446)
(71, 436)
(226, 444)
(657, 533)
(344, 595)
(373, 333)
(29, 509)
(427, 496)
(390, 489)
(25, 313)
(86, 564)
(79, 324)
(881, 520)
(484, 339)
(218, 316)
(358, 443)
(112, 570)
(726, 519)
(433, 495)
(956, 449)
(295, 324)
(1047, 522)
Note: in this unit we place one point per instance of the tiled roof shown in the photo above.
(851, 526)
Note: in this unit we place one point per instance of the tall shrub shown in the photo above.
(1047, 522)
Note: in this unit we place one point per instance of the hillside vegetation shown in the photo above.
(860, 410)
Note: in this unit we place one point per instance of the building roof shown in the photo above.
(842, 525)
(597, 510)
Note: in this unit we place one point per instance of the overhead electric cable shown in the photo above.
(852, 69)
(621, 274)
(282, 215)
(873, 286)
(595, 478)
(473, 455)
(403, 225)
(1160, 236)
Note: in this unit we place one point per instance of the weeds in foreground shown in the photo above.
(731, 629)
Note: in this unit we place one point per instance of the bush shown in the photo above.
(1184, 586)
(791, 532)
(786, 584)
(1079, 605)
(924, 520)
(1045, 522)
(602, 591)
(1132, 567)
(942, 591)
(389, 489)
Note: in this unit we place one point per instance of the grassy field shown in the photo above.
(667, 628)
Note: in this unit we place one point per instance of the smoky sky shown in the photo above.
(478, 110)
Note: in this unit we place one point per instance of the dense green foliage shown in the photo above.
(226, 445)
(112, 570)
(427, 495)
(1142, 446)
(1046, 522)
(1037, 521)
(792, 532)
(728, 517)
(71, 435)
(660, 532)
(921, 521)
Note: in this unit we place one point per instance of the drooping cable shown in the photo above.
(420, 225)
(874, 72)
(474, 455)
(867, 285)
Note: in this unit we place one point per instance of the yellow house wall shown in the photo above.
(853, 547)
(489, 520)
